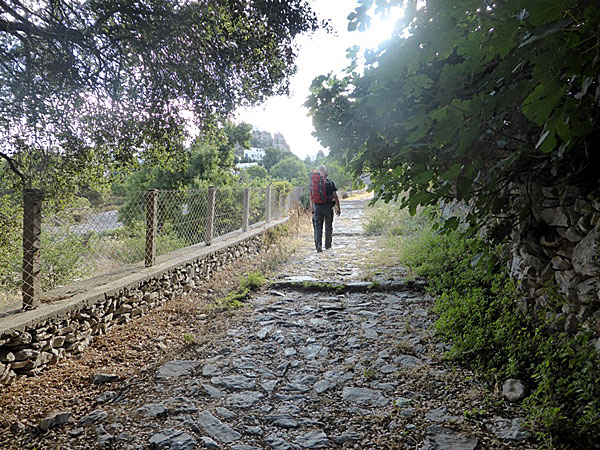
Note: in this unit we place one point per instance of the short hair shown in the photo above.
(322, 168)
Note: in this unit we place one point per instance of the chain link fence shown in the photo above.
(42, 249)
(257, 206)
(11, 252)
(228, 210)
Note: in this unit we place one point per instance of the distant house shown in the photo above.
(254, 153)
(245, 165)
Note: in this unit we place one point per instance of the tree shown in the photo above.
(274, 155)
(95, 84)
(477, 99)
(257, 172)
(290, 169)
(233, 135)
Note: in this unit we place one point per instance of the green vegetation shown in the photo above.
(476, 304)
(89, 100)
(250, 282)
(253, 281)
(466, 99)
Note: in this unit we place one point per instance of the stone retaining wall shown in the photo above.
(33, 340)
(560, 246)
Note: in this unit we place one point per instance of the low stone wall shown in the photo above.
(561, 245)
(32, 340)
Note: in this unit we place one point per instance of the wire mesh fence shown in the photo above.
(44, 249)
(181, 219)
(257, 206)
(228, 210)
(82, 241)
(11, 251)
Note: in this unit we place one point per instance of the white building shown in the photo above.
(245, 165)
(254, 153)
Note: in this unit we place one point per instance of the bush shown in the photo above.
(390, 220)
(477, 311)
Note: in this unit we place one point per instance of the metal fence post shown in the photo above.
(210, 211)
(151, 225)
(268, 204)
(32, 244)
(245, 209)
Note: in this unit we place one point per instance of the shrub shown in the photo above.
(477, 311)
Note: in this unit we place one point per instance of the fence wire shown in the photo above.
(80, 242)
(228, 210)
(84, 241)
(181, 219)
(11, 252)
(257, 206)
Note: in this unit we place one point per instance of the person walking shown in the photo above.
(323, 201)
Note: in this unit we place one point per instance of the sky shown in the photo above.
(318, 54)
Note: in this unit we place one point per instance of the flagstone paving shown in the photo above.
(299, 369)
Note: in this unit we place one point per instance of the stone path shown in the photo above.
(308, 370)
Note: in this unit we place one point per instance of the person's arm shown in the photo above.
(338, 211)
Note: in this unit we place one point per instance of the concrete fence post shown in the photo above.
(151, 226)
(245, 209)
(268, 204)
(210, 214)
(32, 246)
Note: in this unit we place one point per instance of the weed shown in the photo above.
(188, 339)
(235, 299)
(369, 374)
(253, 281)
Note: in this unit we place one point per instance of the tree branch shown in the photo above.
(13, 166)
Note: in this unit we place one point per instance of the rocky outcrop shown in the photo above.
(264, 139)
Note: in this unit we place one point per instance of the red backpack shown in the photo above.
(318, 193)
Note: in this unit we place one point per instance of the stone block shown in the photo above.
(19, 338)
(570, 234)
(559, 263)
(6, 356)
(583, 206)
(58, 341)
(555, 217)
(586, 254)
(572, 324)
(26, 354)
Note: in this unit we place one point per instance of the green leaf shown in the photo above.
(542, 101)
(547, 141)
(452, 172)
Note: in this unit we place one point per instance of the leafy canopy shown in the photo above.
(104, 83)
(468, 98)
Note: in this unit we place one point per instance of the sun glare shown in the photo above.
(381, 28)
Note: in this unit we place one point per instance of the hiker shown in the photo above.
(323, 200)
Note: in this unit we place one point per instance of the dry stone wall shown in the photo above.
(30, 348)
(560, 248)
